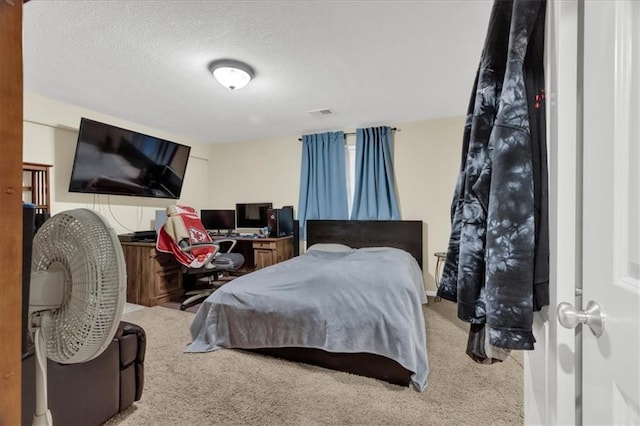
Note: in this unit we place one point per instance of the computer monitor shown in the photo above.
(220, 221)
(252, 215)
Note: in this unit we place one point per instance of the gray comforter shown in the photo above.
(366, 300)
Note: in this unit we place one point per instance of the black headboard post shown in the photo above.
(296, 237)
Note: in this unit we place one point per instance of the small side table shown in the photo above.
(440, 258)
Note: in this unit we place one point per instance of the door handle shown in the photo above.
(593, 317)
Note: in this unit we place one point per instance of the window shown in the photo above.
(350, 160)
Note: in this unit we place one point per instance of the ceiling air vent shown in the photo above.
(320, 112)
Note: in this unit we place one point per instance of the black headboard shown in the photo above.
(403, 234)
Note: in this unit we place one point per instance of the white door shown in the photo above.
(611, 213)
(574, 377)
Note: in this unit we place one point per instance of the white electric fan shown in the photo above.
(78, 292)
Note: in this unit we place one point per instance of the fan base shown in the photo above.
(43, 419)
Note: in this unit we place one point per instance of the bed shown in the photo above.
(352, 302)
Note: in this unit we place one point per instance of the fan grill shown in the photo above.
(95, 283)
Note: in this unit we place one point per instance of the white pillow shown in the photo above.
(380, 248)
(331, 247)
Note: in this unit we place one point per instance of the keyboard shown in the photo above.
(214, 234)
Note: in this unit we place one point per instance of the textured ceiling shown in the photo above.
(370, 62)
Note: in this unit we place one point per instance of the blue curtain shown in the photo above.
(323, 179)
(374, 197)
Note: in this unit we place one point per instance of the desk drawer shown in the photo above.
(168, 283)
(269, 245)
(168, 269)
(165, 261)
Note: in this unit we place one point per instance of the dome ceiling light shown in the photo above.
(231, 74)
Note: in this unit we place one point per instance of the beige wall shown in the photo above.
(265, 170)
(50, 134)
(426, 156)
(427, 159)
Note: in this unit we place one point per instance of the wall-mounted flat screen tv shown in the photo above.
(252, 215)
(115, 161)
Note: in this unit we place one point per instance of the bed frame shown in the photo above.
(406, 235)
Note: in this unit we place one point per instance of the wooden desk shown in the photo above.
(262, 252)
(153, 278)
(269, 251)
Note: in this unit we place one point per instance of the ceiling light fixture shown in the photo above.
(231, 74)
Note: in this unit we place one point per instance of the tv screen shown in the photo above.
(218, 220)
(252, 215)
(115, 161)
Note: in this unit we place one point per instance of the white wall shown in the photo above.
(426, 157)
(50, 134)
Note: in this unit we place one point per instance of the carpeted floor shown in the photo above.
(237, 388)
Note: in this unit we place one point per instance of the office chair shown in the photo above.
(184, 236)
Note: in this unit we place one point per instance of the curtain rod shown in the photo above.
(353, 133)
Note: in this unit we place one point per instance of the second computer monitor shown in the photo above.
(252, 215)
(220, 221)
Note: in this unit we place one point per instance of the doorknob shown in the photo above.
(593, 317)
